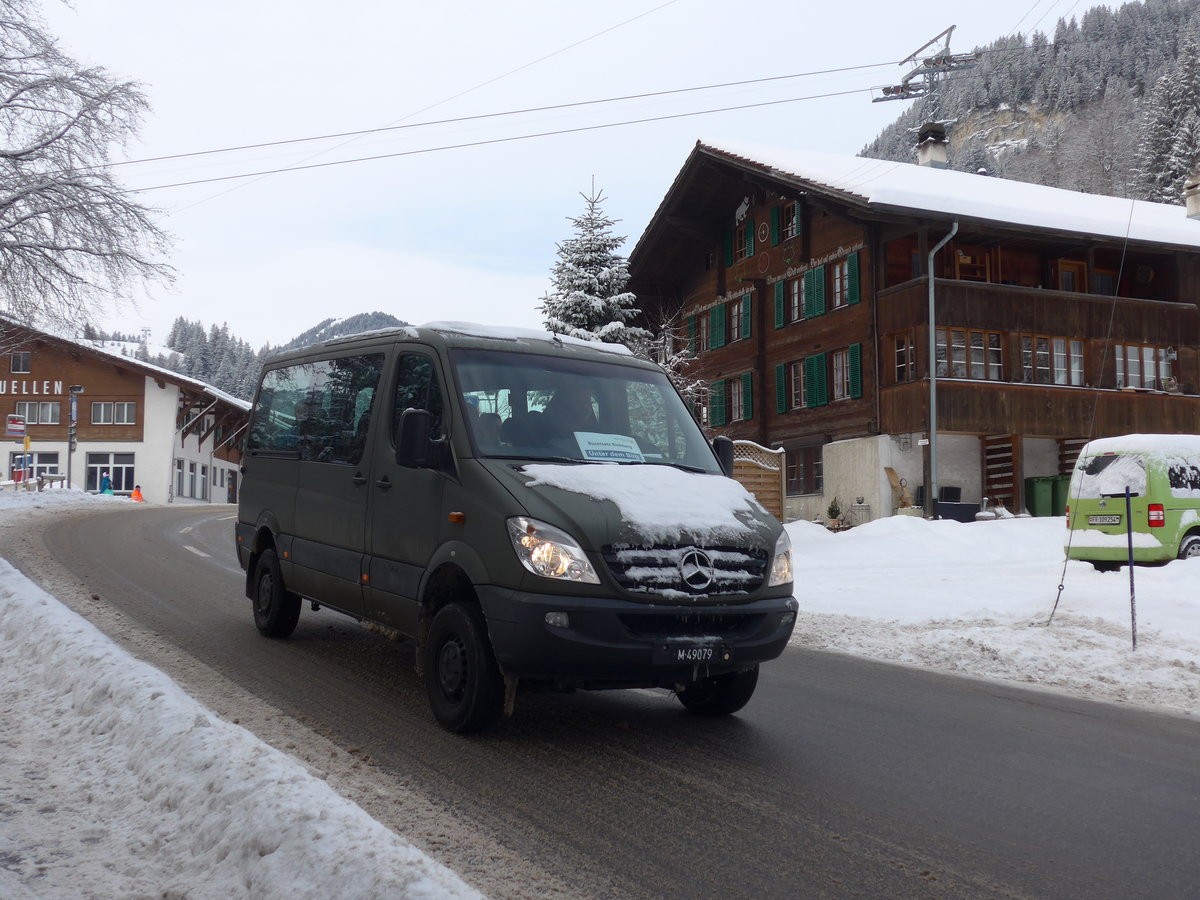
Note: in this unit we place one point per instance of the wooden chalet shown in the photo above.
(801, 282)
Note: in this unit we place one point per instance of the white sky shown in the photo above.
(151, 793)
(470, 233)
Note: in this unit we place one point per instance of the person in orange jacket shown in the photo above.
(136, 495)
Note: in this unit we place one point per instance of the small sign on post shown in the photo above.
(14, 426)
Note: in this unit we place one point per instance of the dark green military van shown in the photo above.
(530, 509)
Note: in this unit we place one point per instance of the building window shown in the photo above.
(839, 283)
(906, 358)
(204, 482)
(841, 374)
(19, 362)
(803, 470)
(796, 378)
(119, 467)
(122, 413)
(39, 413)
(701, 333)
(1141, 366)
(962, 353)
(34, 463)
(787, 221)
(735, 320)
(735, 400)
(741, 243)
(179, 478)
(795, 299)
(1051, 360)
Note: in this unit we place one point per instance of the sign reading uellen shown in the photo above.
(14, 426)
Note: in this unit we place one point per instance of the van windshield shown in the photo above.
(524, 406)
(1109, 475)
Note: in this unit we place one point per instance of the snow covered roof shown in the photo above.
(896, 186)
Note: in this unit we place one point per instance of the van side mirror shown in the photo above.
(412, 439)
(723, 447)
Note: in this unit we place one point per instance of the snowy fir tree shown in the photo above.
(588, 299)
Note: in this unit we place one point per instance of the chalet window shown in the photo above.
(1072, 275)
(963, 353)
(735, 400)
(847, 372)
(701, 333)
(39, 413)
(19, 362)
(796, 378)
(114, 413)
(1141, 366)
(730, 400)
(803, 470)
(795, 299)
(1104, 282)
(783, 223)
(906, 358)
(816, 381)
(1051, 360)
(843, 281)
(739, 319)
(740, 242)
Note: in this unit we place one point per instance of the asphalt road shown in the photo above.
(843, 777)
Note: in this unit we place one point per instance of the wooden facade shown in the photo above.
(807, 310)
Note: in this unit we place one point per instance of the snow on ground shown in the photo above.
(977, 599)
(113, 782)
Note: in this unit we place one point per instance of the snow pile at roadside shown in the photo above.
(115, 783)
(976, 598)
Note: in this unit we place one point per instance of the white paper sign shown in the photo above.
(608, 447)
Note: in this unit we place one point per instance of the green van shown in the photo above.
(531, 510)
(1162, 474)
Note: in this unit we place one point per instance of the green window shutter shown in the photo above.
(852, 281)
(781, 391)
(797, 220)
(780, 303)
(728, 248)
(774, 226)
(716, 319)
(749, 238)
(855, 370)
(716, 403)
(816, 386)
(692, 333)
(818, 279)
(747, 396)
(747, 301)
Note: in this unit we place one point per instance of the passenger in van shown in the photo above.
(569, 411)
(488, 429)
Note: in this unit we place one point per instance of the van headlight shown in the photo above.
(781, 561)
(550, 552)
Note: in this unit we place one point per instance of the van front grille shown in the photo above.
(689, 571)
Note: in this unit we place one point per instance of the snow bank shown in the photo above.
(113, 782)
(976, 599)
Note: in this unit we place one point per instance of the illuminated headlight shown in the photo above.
(550, 552)
(781, 561)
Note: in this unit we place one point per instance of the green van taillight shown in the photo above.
(1156, 516)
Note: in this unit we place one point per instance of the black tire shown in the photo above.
(1189, 546)
(276, 611)
(466, 690)
(719, 695)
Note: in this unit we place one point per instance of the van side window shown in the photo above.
(417, 388)
(318, 411)
(338, 408)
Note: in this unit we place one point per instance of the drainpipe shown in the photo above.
(932, 493)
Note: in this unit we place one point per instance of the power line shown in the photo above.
(484, 143)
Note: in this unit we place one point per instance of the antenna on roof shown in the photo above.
(930, 69)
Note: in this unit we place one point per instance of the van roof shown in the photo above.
(476, 336)
(1152, 444)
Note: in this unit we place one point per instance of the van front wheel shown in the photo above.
(1189, 546)
(719, 695)
(462, 679)
(276, 611)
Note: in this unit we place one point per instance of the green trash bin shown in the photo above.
(1061, 488)
(1039, 495)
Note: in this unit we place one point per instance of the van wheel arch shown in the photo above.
(1190, 545)
(445, 585)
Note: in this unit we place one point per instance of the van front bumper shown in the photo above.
(598, 642)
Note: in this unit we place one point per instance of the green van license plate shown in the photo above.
(1104, 520)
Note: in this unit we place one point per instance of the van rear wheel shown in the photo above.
(719, 695)
(276, 611)
(1189, 546)
(466, 691)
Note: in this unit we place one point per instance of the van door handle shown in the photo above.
(359, 479)
(384, 483)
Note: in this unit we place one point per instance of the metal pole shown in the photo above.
(931, 493)
(1129, 539)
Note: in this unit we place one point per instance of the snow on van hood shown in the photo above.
(660, 503)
